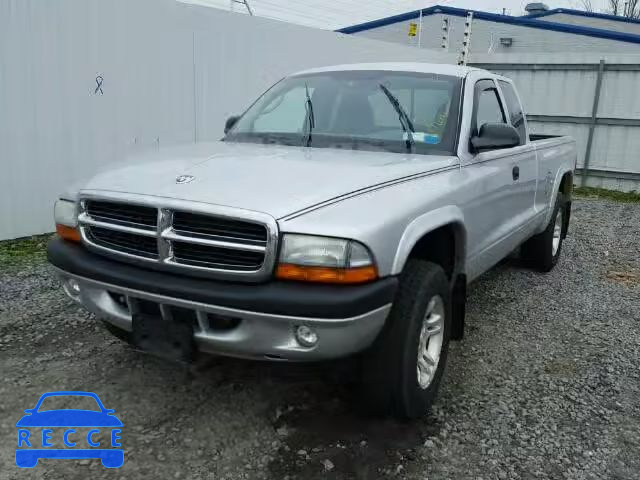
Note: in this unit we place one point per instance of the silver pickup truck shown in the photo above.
(343, 214)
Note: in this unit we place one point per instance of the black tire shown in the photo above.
(538, 252)
(389, 377)
(118, 332)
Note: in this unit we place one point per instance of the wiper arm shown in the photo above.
(405, 121)
(310, 121)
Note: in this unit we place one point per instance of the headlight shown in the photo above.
(324, 259)
(66, 213)
(66, 217)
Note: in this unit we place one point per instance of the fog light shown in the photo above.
(72, 289)
(74, 286)
(306, 336)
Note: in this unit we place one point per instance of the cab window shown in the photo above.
(487, 106)
(516, 113)
(489, 109)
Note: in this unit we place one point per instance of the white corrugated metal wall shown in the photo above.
(560, 97)
(558, 92)
(170, 73)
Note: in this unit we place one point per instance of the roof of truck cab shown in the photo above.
(415, 67)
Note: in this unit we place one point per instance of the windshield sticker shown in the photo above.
(426, 138)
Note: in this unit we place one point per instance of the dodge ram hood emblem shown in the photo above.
(185, 179)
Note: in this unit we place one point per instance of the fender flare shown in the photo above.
(429, 222)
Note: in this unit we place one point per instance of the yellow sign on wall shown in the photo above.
(413, 29)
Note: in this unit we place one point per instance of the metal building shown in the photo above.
(544, 31)
(588, 19)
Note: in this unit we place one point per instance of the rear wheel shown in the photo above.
(542, 251)
(403, 369)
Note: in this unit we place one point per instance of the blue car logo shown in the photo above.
(67, 426)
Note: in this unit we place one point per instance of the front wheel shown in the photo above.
(403, 369)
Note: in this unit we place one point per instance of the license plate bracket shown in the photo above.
(170, 338)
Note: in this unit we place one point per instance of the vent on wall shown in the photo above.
(506, 41)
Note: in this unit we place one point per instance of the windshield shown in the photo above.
(353, 109)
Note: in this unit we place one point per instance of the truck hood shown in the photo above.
(277, 180)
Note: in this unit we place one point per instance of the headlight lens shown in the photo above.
(307, 250)
(324, 259)
(66, 216)
(66, 213)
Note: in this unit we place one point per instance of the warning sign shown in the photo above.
(413, 29)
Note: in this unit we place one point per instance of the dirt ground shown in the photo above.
(546, 384)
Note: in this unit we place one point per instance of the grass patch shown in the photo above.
(627, 197)
(23, 250)
(626, 278)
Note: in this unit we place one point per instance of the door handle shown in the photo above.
(515, 173)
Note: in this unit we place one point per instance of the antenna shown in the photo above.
(242, 2)
(466, 42)
(445, 34)
(420, 31)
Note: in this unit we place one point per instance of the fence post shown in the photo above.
(592, 125)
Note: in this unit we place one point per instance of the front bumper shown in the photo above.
(263, 317)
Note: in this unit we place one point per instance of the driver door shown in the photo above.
(491, 206)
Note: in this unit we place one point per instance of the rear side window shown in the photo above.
(516, 113)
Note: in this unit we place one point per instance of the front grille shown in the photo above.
(129, 243)
(179, 239)
(192, 224)
(214, 257)
(135, 216)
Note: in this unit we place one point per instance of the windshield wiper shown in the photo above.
(405, 121)
(310, 121)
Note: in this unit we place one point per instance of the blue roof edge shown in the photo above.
(494, 17)
(580, 13)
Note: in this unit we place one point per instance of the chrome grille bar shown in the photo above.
(171, 234)
(85, 219)
(165, 248)
(135, 216)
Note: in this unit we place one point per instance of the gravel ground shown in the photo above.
(545, 384)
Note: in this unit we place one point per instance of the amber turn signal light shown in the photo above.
(287, 271)
(68, 233)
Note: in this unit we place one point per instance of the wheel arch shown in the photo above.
(440, 236)
(563, 183)
(566, 184)
(446, 225)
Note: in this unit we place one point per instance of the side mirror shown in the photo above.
(494, 136)
(231, 121)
